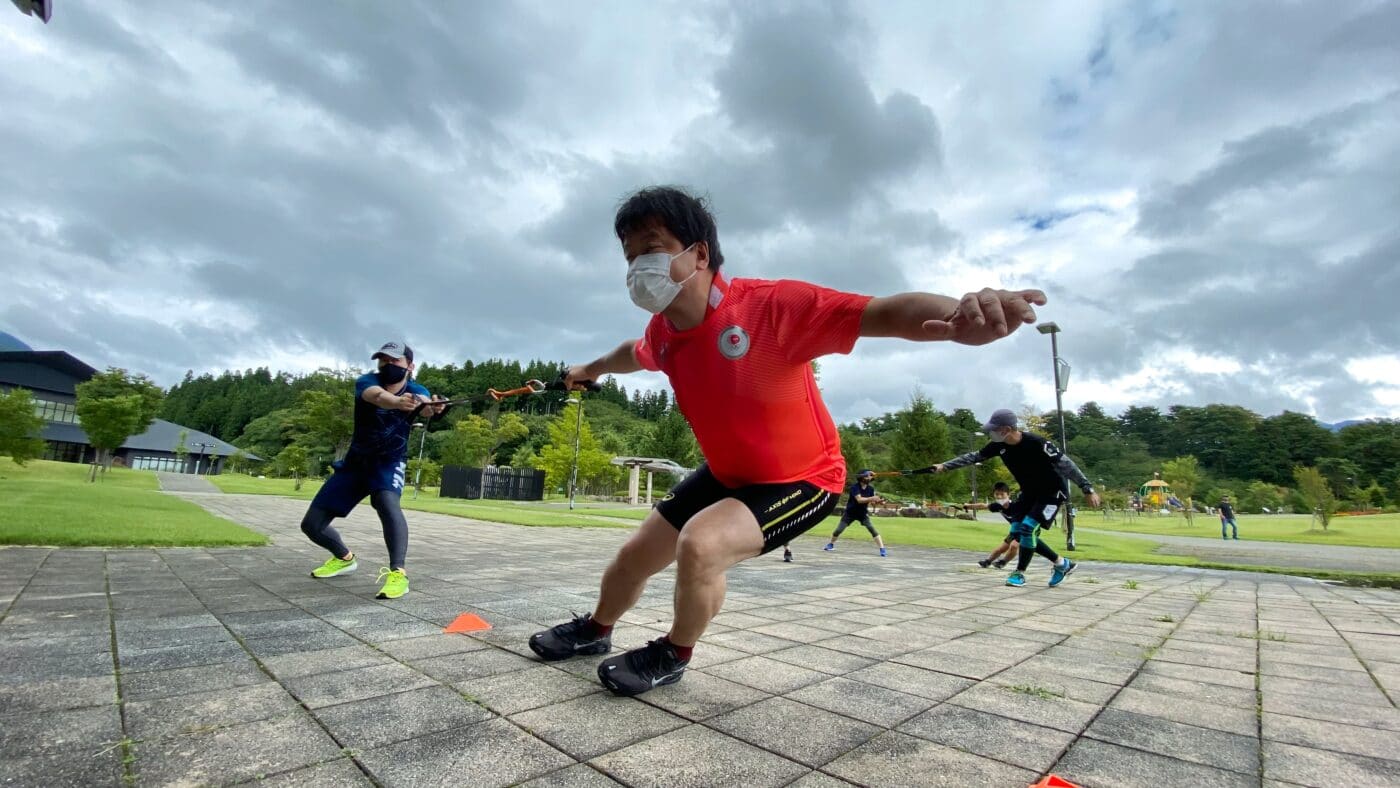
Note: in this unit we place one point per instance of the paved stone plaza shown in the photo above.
(225, 666)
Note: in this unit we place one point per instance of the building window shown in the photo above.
(167, 464)
(62, 412)
(63, 451)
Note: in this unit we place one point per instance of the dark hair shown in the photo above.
(408, 352)
(686, 217)
(999, 486)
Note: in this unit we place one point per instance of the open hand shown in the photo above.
(987, 315)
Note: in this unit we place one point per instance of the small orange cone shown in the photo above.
(1052, 781)
(467, 622)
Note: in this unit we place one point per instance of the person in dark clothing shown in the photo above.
(1043, 473)
(858, 510)
(1006, 551)
(1227, 517)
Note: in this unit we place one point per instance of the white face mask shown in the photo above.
(649, 280)
(996, 436)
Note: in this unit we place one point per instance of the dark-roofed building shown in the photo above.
(52, 376)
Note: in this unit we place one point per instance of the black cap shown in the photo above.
(1001, 419)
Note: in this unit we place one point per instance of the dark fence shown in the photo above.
(504, 484)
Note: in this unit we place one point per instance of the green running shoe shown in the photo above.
(335, 566)
(395, 583)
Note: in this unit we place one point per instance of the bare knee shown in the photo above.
(699, 553)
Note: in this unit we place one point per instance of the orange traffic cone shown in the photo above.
(467, 622)
(1053, 781)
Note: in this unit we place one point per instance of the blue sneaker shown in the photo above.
(883, 553)
(1016, 579)
(1062, 571)
(829, 547)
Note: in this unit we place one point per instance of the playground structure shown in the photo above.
(1156, 494)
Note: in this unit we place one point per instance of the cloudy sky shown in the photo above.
(1208, 192)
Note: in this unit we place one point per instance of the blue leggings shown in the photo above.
(317, 527)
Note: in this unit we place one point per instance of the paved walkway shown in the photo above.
(186, 482)
(1256, 552)
(223, 666)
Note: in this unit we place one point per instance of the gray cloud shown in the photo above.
(198, 188)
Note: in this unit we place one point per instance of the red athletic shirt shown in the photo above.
(743, 378)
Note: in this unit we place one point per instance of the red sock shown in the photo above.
(599, 630)
(682, 652)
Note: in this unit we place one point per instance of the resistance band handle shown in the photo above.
(588, 385)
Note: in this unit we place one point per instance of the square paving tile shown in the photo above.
(493, 753)
(522, 690)
(334, 774)
(1323, 735)
(793, 730)
(183, 714)
(911, 680)
(768, 675)
(1229, 719)
(1239, 753)
(578, 776)
(865, 702)
(473, 664)
(899, 760)
(1000, 738)
(595, 724)
(328, 689)
(697, 756)
(1094, 763)
(76, 732)
(182, 681)
(1051, 712)
(241, 752)
(331, 660)
(386, 719)
(1307, 766)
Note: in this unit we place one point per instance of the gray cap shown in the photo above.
(1001, 419)
(394, 350)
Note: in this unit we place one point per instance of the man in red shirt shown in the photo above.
(738, 356)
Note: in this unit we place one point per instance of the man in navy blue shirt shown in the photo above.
(858, 509)
(385, 403)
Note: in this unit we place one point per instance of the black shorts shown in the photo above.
(784, 511)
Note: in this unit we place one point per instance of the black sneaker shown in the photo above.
(641, 669)
(570, 639)
(999, 564)
(984, 563)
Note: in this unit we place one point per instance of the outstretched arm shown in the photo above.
(619, 361)
(979, 318)
(1067, 469)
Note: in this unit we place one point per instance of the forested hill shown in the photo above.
(1234, 449)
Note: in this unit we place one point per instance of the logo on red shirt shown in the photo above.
(734, 343)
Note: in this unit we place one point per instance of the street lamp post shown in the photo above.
(1061, 383)
(578, 431)
(422, 444)
(975, 466)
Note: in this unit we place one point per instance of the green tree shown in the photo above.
(238, 462)
(326, 417)
(469, 443)
(1260, 495)
(672, 439)
(292, 460)
(113, 406)
(20, 426)
(1183, 474)
(853, 452)
(182, 451)
(922, 439)
(424, 473)
(595, 468)
(1316, 493)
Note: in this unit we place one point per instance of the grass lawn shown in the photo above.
(979, 536)
(52, 503)
(253, 485)
(1371, 530)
